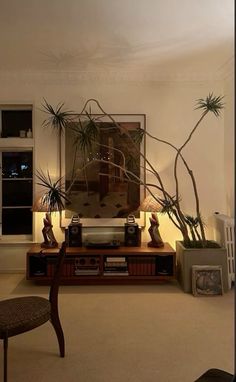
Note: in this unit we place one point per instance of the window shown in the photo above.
(16, 192)
(16, 121)
(16, 175)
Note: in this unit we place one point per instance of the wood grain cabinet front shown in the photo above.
(123, 265)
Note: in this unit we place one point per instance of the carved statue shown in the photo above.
(48, 235)
(154, 232)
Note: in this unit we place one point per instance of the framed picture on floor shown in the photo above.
(207, 280)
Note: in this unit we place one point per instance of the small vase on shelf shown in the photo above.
(29, 133)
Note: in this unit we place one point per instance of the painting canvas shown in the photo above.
(207, 280)
(94, 179)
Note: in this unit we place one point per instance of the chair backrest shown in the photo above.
(53, 294)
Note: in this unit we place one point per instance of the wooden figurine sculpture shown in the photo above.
(154, 232)
(48, 235)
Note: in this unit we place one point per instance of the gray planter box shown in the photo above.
(187, 257)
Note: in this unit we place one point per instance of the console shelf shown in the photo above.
(123, 265)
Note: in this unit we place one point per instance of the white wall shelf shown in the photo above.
(16, 142)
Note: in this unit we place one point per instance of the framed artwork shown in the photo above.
(207, 280)
(99, 189)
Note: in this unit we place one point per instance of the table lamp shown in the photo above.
(150, 204)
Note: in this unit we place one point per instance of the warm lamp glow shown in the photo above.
(150, 204)
(41, 205)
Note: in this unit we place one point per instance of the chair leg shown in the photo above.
(5, 346)
(59, 332)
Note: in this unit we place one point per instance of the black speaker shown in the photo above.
(74, 235)
(132, 235)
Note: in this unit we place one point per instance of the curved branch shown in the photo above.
(190, 172)
(131, 140)
(194, 183)
(136, 180)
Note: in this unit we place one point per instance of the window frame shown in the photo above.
(16, 144)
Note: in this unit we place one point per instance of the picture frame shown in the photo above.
(108, 202)
(207, 280)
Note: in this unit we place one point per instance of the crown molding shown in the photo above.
(51, 77)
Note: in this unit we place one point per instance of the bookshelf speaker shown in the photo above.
(132, 235)
(74, 235)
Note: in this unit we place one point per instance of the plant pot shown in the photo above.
(187, 257)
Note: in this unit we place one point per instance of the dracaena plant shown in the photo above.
(54, 198)
(191, 227)
(58, 118)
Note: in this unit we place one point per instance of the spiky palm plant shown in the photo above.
(58, 119)
(86, 134)
(172, 205)
(55, 197)
(212, 104)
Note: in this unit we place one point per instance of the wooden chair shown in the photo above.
(19, 315)
(216, 375)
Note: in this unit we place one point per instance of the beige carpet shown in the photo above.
(132, 333)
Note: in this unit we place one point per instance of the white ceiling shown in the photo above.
(153, 38)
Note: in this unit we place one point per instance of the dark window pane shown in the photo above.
(15, 120)
(17, 164)
(17, 221)
(17, 193)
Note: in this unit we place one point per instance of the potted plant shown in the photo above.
(191, 227)
(50, 201)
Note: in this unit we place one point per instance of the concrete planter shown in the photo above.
(187, 257)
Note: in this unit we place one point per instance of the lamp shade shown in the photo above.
(150, 204)
(42, 205)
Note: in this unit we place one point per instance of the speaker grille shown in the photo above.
(132, 235)
(75, 235)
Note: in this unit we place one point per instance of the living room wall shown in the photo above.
(229, 128)
(169, 108)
